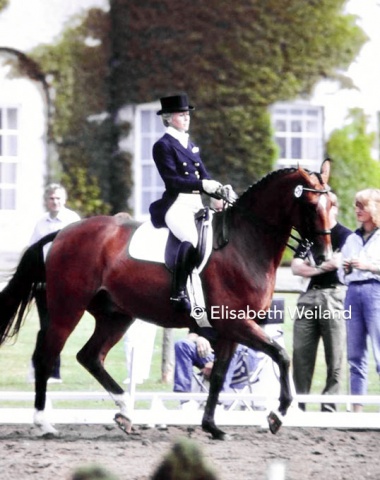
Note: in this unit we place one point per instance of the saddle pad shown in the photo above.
(148, 243)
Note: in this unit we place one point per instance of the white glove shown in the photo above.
(230, 194)
(210, 186)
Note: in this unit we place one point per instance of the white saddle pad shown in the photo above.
(148, 243)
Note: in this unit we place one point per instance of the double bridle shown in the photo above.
(298, 192)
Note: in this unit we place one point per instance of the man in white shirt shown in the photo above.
(56, 217)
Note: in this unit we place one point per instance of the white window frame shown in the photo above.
(143, 159)
(9, 155)
(309, 119)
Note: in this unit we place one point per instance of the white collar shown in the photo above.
(182, 137)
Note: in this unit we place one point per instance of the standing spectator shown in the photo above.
(361, 265)
(56, 217)
(139, 339)
(319, 315)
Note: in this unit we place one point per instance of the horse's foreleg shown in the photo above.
(285, 388)
(216, 384)
(280, 356)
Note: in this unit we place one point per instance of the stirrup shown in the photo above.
(181, 302)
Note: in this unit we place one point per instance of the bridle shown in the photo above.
(298, 192)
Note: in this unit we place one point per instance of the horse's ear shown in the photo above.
(325, 170)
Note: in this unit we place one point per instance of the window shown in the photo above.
(148, 183)
(299, 135)
(8, 157)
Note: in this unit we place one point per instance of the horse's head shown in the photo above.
(313, 210)
(285, 199)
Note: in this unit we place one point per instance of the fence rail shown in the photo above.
(159, 414)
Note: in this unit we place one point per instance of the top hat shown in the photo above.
(175, 103)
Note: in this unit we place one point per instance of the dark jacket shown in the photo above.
(339, 234)
(182, 171)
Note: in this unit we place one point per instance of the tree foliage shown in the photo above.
(353, 167)
(3, 4)
(82, 128)
(234, 59)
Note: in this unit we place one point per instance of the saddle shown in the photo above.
(160, 245)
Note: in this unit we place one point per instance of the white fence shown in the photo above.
(159, 414)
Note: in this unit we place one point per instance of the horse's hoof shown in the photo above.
(274, 422)
(123, 423)
(216, 433)
(51, 435)
(45, 428)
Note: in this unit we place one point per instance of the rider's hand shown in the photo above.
(210, 186)
(229, 194)
(203, 347)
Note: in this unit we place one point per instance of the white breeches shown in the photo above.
(180, 217)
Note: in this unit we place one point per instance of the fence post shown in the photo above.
(167, 365)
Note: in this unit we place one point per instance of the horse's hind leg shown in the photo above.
(49, 345)
(108, 331)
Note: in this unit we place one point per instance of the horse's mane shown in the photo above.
(263, 182)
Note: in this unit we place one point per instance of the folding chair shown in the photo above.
(248, 369)
(248, 374)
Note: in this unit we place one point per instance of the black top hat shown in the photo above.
(175, 103)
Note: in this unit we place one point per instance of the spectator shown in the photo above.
(361, 265)
(196, 351)
(319, 315)
(56, 217)
(139, 339)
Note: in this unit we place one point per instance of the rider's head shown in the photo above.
(175, 112)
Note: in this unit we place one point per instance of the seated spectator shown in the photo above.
(196, 351)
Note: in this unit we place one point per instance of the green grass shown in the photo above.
(15, 360)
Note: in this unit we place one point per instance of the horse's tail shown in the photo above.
(17, 295)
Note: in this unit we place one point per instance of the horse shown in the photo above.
(88, 268)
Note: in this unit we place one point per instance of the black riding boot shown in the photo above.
(185, 262)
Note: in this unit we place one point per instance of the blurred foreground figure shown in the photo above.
(93, 472)
(185, 461)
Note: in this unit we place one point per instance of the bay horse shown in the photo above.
(88, 269)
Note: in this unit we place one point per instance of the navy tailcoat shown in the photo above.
(182, 171)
